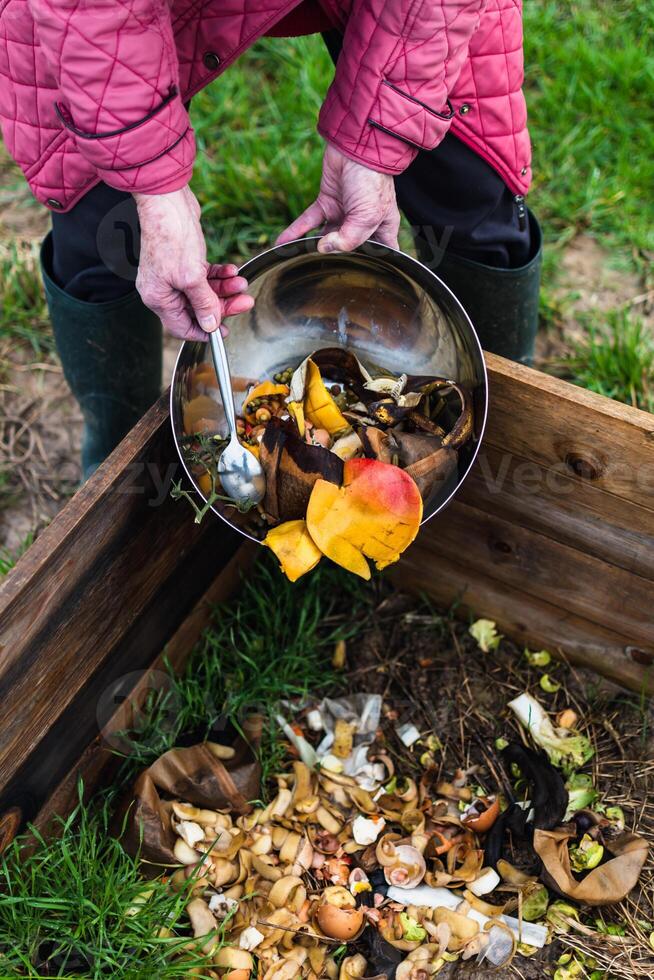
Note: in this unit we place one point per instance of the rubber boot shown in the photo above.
(111, 354)
(502, 303)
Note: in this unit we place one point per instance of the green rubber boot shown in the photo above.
(502, 303)
(111, 354)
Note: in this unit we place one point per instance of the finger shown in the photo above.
(238, 304)
(308, 220)
(387, 232)
(169, 306)
(225, 271)
(179, 322)
(205, 303)
(353, 232)
(228, 287)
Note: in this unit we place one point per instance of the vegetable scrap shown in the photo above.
(564, 747)
(357, 869)
(350, 456)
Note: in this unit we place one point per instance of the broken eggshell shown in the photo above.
(404, 866)
(481, 814)
(337, 916)
(366, 830)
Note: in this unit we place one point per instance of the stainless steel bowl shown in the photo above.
(386, 307)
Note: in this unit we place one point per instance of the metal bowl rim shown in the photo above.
(274, 251)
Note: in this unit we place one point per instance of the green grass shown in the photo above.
(9, 556)
(589, 83)
(273, 644)
(70, 895)
(616, 360)
(65, 909)
(589, 79)
(23, 309)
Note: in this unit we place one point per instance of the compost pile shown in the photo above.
(349, 458)
(370, 860)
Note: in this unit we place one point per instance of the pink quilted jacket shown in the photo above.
(94, 89)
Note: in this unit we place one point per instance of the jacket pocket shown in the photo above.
(408, 118)
(137, 143)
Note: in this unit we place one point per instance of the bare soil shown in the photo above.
(590, 280)
(40, 442)
(40, 439)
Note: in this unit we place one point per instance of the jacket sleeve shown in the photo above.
(116, 67)
(389, 96)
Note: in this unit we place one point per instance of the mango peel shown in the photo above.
(375, 514)
(294, 548)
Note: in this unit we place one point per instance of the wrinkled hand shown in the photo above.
(354, 204)
(190, 296)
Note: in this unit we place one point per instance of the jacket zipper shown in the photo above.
(522, 211)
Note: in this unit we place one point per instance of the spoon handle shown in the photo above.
(224, 378)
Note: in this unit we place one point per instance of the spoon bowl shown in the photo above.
(240, 472)
(241, 475)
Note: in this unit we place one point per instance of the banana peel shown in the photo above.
(319, 405)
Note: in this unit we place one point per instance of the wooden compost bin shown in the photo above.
(552, 536)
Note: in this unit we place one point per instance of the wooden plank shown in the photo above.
(97, 596)
(552, 534)
(98, 763)
(527, 619)
(542, 567)
(556, 424)
(572, 511)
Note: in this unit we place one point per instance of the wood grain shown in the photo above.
(565, 508)
(552, 534)
(98, 763)
(95, 598)
(540, 566)
(556, 424)
(527, 619)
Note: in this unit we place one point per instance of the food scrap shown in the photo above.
(354, 864)
(350, 457)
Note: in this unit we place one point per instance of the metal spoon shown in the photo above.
(239, 470)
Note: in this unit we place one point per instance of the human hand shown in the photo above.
(190, 296)
(354, 204)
